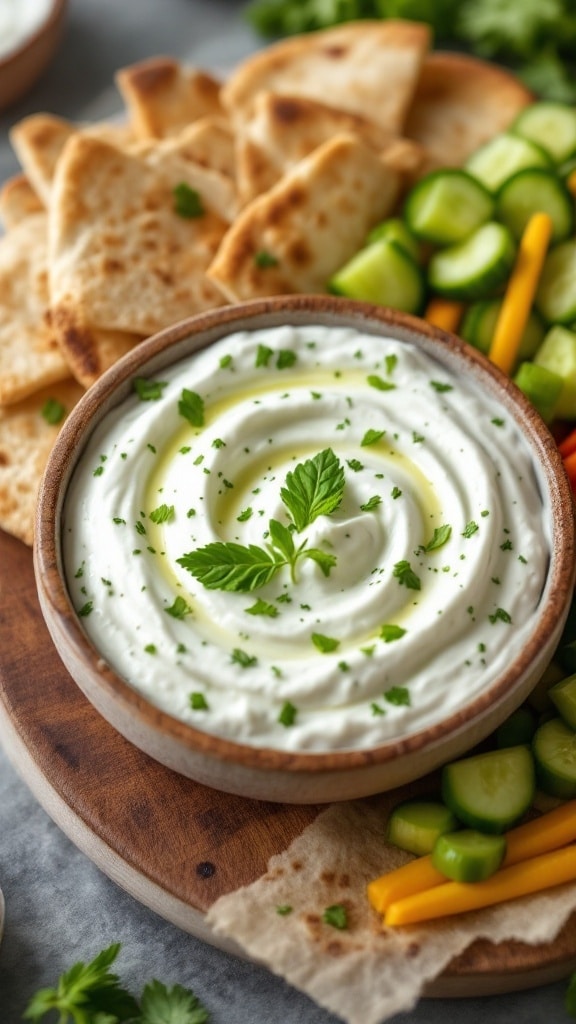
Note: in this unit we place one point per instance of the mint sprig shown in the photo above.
(315, 488)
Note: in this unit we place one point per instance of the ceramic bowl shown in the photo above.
(22, 66)
(293, 776)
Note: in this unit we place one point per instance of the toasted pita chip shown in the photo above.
(283, 130)
(460, 103)
(29, 356)
(369, 68)
(26, 440)
(38, 141)
(293, 238)
(131, 263)
(162, 97)
(17, 201)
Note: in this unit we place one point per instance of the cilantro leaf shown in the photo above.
(405, 575)
(261, 607)
(371, 437)
(336, 915)
(87, 990)
(176, 1005)
(191, 407)
(230, 566)
(187, 201)
(179, 608)
(440, 537)
(287, 715)
(390, 632)
(325, 644)
(372, 503)
(398, 695)
(53, 411)
(314, 488)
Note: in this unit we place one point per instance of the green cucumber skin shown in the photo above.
(479, 211)
(479, 810)
(468, 856)
(563, 696)
(547, 138)
(415, 825)
(514, 211)
(484, 286)
(555, 779)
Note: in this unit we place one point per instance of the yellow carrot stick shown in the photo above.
(444, 314)
(520, 292)
(549, 832)
(534, 875)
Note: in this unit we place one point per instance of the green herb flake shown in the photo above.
(371, 504)
(336, 916)
(191, 407)
(284, 909)
(119, 521)
(287, 715)
(405, 575)
(53, 411)
(218, 443)
(506, 546)
(98, 471)
(286, 358)
(225, 362)
(263, 355)
(396, 493)
(245, 515)
(497, 421)
(323, 559)
(162, 514)
(390, 632)
(151, 649)
(390, 362)
(179, 608)
(264, 259)
(149, 390)
(261, 607)
(500, 615)
(470, 529)
(440, 387)
(375, 381)
(324, 644)
(86, 609)
(140, 528)
(440, 537)
(187, 201)
(417, 438)
(372, 437)
(377, 709)
(240, 657)
(398, 695)
(198, 701)
(355, 465)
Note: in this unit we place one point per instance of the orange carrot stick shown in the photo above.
(445, 314)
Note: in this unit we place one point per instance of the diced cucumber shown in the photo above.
(554, 747)
(475, 268)
(518, 728)
(556, 294)
(551, 125)
(501, 157)
(557, 354)
(382, 273)
(541, 386)
(468, 856)
(490, 791)
(479, 323)
(446, 206)
(416, 825)
(395, 230)
(534, 190)
(563, 696)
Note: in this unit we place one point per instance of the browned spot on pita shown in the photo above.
(163, 97)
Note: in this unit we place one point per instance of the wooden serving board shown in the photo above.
(173, 844)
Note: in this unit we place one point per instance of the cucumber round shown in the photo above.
(395, 230)
(556, 293)
(554, 748)
(382, 273)
(534, 190)
(416, 825)
(475, 268)
(563, 696)
(479, 323)
(541, 386)
(501, 157)
(446, 206)
(557, 354)
(468, 856)
(551, 125)
(490, 791)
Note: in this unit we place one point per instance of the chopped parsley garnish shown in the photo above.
(198, 702)
(286, 358)
(98, 471)
(240, 657)
(439, 386)
(324, 644)
(372, 503)
(179, 608)
(53, 411)
(287, 715)
(372, 437)
(336, 916)
(263, 355)
(218, 443)
(119, 521)
(375, 381)
(225, 362)
(151, 649)
(162, 514)
(470, 529)
(244, 515)
(187, 201)
(377, 709)
(396, 492)
(191, 407)
(398, 695)
(405, 575)
(390, 362)
(149, 390)
(261, 607)
(355, 465)
(264, 259)
(284, 909)
(500, 615)
(390, 632)
(497, 421)
(506, 546)
(140, 528)
(440, 537)
(86, 609)
(417, 438)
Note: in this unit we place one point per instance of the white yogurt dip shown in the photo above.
(426, 544)
(20, 19)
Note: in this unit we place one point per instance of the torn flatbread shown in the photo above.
(294, 237)
(163, 97)
(17, 201)
(38, 141)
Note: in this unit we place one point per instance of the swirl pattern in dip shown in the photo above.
(427, 575)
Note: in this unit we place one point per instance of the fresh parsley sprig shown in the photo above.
(91, 994)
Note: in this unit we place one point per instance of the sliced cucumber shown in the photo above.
(563, 696)
(474, 269)
(490, 791)
(382, 273)
(550, 125)
(556, 294)
(501, 157)
(446, 206)
(518, 728)
(479, 323)
(541, 386)
(468, 856)
(554, 747)
(534, 190)
(395, 230)
(557, 354)
(416, 825)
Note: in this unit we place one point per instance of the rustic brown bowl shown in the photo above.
(21, 67)
(266, 773)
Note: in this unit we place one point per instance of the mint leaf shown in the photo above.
(261, 607)
(405, 575)
(371, 437)
(148, 390)
(390, 632)
(314, 488)
(440, 537)
(325, 644)
(322, 558)
(176, 1005)
(230, 566)
(198, 701)
(263, 354)
(287, 715)
(162, 514)
(191, 407)
(281, 538)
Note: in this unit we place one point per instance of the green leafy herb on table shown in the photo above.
(91, 994)
(537, 37)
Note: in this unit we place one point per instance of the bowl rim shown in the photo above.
(52, 18)
(198, 332)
